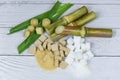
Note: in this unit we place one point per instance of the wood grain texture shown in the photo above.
(100, 46)
(20, 68)
(11, 15)
(64, 1)
(105, 65)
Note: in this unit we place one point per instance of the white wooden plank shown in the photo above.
(100, 46)
(64, 1)
(11, 15)
(26, 68)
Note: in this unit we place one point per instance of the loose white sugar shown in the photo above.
(79, 55)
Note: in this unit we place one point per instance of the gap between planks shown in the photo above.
(33, 55)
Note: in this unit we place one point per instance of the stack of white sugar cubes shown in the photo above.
(80, 53)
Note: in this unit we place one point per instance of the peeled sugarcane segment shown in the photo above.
(46, 22)
(26, 33)
(31, 28)
(39, 30)
(98, 32)
(34, 22)
(67, 19)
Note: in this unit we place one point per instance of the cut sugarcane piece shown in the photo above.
(31, 28)
(34, 22)
(46, 22)
(98, 32)
(80, 22)
(84, 20)
(84, 31)
(67, 19)
(71, 30)
(26, 33)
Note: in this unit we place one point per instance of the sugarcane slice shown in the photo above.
(45, 61)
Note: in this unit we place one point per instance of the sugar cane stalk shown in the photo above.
(80, 22)
(67, 19)
(84, 31)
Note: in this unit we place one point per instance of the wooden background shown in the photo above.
(105, 65)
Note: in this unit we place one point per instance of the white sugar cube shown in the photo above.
(69, 58)
(87, 45)
(90, 54)
(83, 62)
(71, 47)
(76, 40)
(78, 55)
(83, 47)
(70, 41)
(82, 40)
(85, 56)
(78, 50)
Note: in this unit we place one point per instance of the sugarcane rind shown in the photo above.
(83, 32)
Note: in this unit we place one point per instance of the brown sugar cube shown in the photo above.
(55, 47)
(62, 54)
(49, 41)
(49, 46)
(56, 63)
(45, 45)
(60, 58)
(56, 53)
(67, 52)
(63, 65)
(62, 42)
(60, 46)
(40, 48)
(42, 38)
(32, 50)
(37, 43)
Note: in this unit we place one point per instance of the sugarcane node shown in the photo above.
(59, 29)
(68, 18)
(98, 32)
